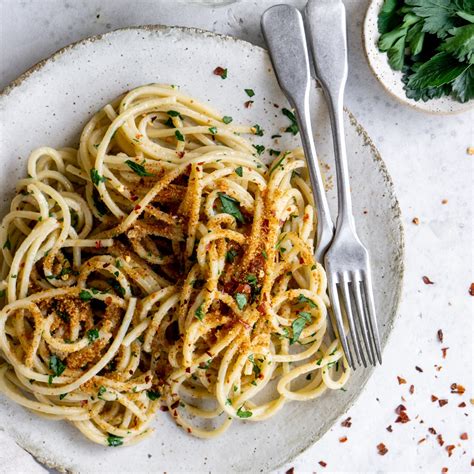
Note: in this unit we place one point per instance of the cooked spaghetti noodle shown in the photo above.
(162, 265)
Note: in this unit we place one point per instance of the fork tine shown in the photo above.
(361, 317)
(336, 310)
(350, 318)
(369, 298)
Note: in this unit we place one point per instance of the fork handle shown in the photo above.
(326, 27)
(283, 29)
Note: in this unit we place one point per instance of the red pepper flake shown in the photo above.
(175, 405)
(188, 370)
(133, 197)
(84, 403)
(108, 300)
(440, 335)
(389, 428)
(322, 463)
(402, 418)
(98, 244)
(462, 405)
(444, 350)
(459, 389)
(401, 380)
(181, 154)
(189, 430)
(412, 389)
(382, 449)
(444, 470)
(471, 289)
(400, 409)
(302, 261)
(464, 436)
(261, 308)
(221, 72)
(427, 281)
(347, 423)
(444, 201)
(138, 136)
(450, 449)
(472, 462)
(422, 440)
(343, 439)
(419, 369)
(137, 207)
(434, 398)
(415, 220)
(442, 402)
(432, 431)
(164, 408)
(290, 471)
(248, 104)
(440, 440)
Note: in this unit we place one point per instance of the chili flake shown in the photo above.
(471, 289)
(382, 449)
(459, 389)
(401, 380)
(440, 335)
(464, 436)
(442, 402)
(416, 221)
(427, 281)
(322, 463)
(450, 449)
(221, 72)
(347, 423)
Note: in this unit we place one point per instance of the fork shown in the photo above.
(347, 260)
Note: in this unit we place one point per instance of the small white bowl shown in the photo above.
(392, 80)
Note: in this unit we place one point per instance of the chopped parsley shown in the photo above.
(274, 152)
(256, 369)
(173, 113)
(62, 395)
(243, 413)
(153, 394)
(249, 92)
(179, 136)
(230, 255)
(85, 295)
(239, 171)
(57, 366)
(231, 206)
(299, 324)
(226, 119)
(2, 293)
(114, 441)
(278, 163)
(258, 130)
(96, 177)
(293, 128)
(260, 148)
(213, 130)
(264, 254)
(252, 279)
(101, 391)
(199, 313)
(138, 169)
(92, 335)
(7, 244)
(303, 299)
(241, 300)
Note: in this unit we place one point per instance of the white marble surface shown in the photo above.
(433, 175)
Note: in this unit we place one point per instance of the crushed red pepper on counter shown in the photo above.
(440, 335)
(427, 281)
(434, 398)
(456, 388)
(322, 463)
(450, 449)
(471, 289)
(442, 402)
(440, 440)
(343, 439)
(412, 389)
(382, 449)
(401, 380)
(290, 471)
(432, 431)
(464, 436)
(415, 220)
(419, 369)
(389, 428)
(444, 350)
(221, 72)
(347, 423)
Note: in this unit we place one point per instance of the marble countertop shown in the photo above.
(433, 175)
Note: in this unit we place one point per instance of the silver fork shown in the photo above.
(347, 260)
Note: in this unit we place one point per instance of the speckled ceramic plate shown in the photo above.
(392, 80)
(51, 103)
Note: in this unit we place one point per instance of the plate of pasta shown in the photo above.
(158, 291)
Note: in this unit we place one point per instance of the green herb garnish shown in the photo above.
(260, 148)
(241, 300)
(258, 130)
(92, 335)
(249, 92)
(179, 136)
(213, 130)
(226, 119)
(230, 255)
(96, 177)
(114, 441)
(153, 395)
(299, 324)
(231, 206)
(303, 299)
(239, 171)
(243, 413)
(199, 313)
(293, 128)
(85, 295)
(137, 168)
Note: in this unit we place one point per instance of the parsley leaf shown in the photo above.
(138, 169)
(239, 171)
(213, 130)
(179, 136)
(257, 130)
(56, 365)
(96, 177)
(199, 313)
(114, 441)
(260, 148)
(249, 92)
(463, 85)
(243, 413)
(303, 299)
(101, 391)
(85, 295)
(153, 395)
(173, 113)
(231, 206)
(299, 324)
(293, 128)
(241, 300)
(461, 44)
(226, 119)
(230, 255)
(92, 335)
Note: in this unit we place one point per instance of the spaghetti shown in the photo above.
(162, 265)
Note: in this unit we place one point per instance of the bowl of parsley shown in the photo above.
(422, 51)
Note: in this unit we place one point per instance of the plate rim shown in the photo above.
(399, 260)
(432, 106)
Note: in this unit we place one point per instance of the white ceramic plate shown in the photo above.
(392, 80)
(51, 103)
